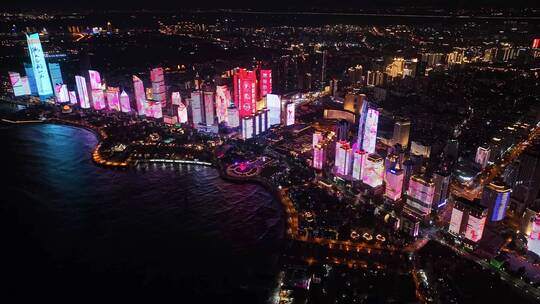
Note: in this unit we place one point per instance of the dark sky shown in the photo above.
(268, 4)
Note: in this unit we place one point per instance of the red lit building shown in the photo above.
(265, 83)
(245, 92)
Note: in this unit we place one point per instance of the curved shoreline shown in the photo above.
(281, 195)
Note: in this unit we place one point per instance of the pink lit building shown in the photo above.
(98, 97)
(317, 138)
(343, 162)
(140, 96)
(394, 184)
(182, 113)
(176, 98)
(73, 97)
(533, 242)
(359, 160)
(319, 155)
(125, 106)
(373, 171)
(265, 83)
(420, 195)
(468, 220)
(82, 90)
(209, 108)
(158, 86)
(223, 101)
(113, 99)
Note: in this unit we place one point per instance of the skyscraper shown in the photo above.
(56, 73)
(96, 90)
(265, 83)
(82, 90)
(344, 158)
(373, 171)
(441, 180)
(274, 107)
(113, 98)
(245, 92)
(223, 102)
(402, 129)
(342, 130)
(209, 108)
(140, 96)
(359, 159)
(158, 86)
(31, 78)
(370, 131)
(482, 156)
(468, 219)
(319, 155)
(124, 102)
(420, 195)
(182, 113)
(197, 108)
(394, 183)
(496, 197)
(43, 81)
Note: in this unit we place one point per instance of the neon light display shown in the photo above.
(25, 82)
(370, 131)
(113, 99)
(95, 80)
(223, 101)
(536, 43)
(317, 138)
(273, 102)
(56, 73)
(343, 163)
(482, 156)
(98, 99)
(82, 90)
(290, 114)
(125, 106)
(245, 93)
(39, 66)
(182, 113)
(394, 184)
(31, 78)
(61, 93)
(140, 97)
(153, 109)
(73, 97)
(374, 170)
(265, 82)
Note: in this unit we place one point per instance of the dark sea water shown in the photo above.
(68, 226)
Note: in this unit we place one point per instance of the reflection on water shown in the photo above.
(71, 223)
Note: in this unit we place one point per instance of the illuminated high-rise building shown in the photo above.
(370, 131)
(533, 241)
(159, 91)
(61, 93)
(359, 159)
(344, 158)
(223, 102)
(247, 127)
(208, 98)
(394, 183)
(265, 83)
(82, 90)
(441, 180)
(197, 108)
(73, 97)
(317, 138)
(96, 90)
(31, 78)
(273, 103)
(420, 195)
(496, 197)
(468, 219)
(56, 73)
(125, 106)
(113, 98)
(354, 103)
(140, 96)
(402, 128)
(43, 81)
(17, 85)
(374, 78)
(176, 99)
(373, 171)
(233, 119)
(245, 92)
(290, 114)
(182, 113)
(482, 156)
(319, 155)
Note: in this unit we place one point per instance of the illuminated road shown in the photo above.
(490, 172)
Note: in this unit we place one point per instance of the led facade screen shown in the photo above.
(475, 228)
(73, 97)
(125, 106)
(182, 113)
(113, 99)
(290, 114)
(265, 82)
(370, 131)
(95, 79)
(223, 101)
(82, 90)
(273, 103)
(16, 84)
(39, 66)
(374, 170)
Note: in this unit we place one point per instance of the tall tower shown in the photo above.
(39, 67)
(245, 92)
(496, 197)
(158, 86)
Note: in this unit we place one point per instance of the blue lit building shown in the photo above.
(56, 73)
(31, 78)
(496, 197)
(39, 66)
